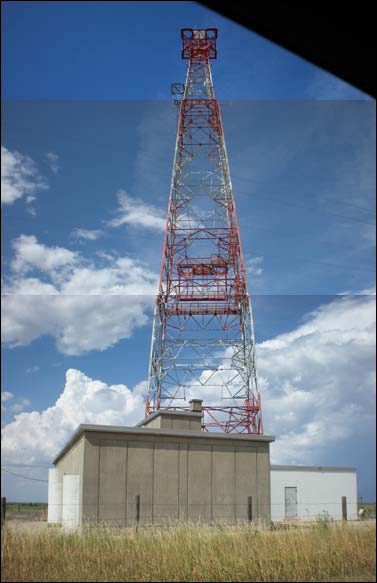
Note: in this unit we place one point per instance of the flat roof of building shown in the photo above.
(167, 413)
(156, 431)
(312, 468)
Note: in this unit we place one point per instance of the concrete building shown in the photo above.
(308, 492)
(164, 470)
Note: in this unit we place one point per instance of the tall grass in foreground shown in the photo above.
(189, 553)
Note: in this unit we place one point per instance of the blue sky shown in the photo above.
(88, 132)
(125, 50)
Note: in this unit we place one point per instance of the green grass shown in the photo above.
(26, 507)
(192, 553)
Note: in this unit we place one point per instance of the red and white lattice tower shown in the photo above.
(203, 341)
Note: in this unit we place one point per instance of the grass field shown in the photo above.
(26, 507)
(192, 553)
(369, 507)
(26, 511)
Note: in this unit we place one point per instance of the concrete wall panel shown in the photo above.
(165, 483)
(246, 483)
(177, 477)
(264, 498)
(183, 482)
(154, 423)
(199, 483)
(223, 484)
(112, 485)
(90, 482)
(175, 420)
(140, 481)
(72, 462)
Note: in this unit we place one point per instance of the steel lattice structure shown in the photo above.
(203, 339)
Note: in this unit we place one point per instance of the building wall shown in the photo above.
(319, 492)
(73, 463)
(176, 479)
(178, 423)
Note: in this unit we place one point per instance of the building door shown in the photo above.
(290, 502)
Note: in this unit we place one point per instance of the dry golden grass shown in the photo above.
(192, 553)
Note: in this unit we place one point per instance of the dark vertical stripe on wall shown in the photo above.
(211, 483)
(187, 479)
(126, 488)
(153, 462)
(235, 484)
(98, 480)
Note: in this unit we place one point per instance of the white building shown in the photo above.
(310, 492)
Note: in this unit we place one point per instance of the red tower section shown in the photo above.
(203, 340)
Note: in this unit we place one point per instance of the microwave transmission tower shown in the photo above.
(203, 343)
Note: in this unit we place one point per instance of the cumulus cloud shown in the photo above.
(31, 210)
(6, 395)
(318, 381)
(34, 368)
(317, 384)
(18, 407)
(130, 211)
(19, 177)
(84, 305)
(135, 212)
(30, 254)
(53, 161)
(88, 234)
(35, 438)
(254, 265)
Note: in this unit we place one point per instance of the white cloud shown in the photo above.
(365, 292)
(368, 233)
(135, 212)
(19, 177)
(88, 234)
(37, 437)
(30, 254)
(317, 387)
(34, 368)
(6, 395)
(318, 381)
(84, 306)
(253, 265)
(53, 161)
(130, 211)
(18, 407)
